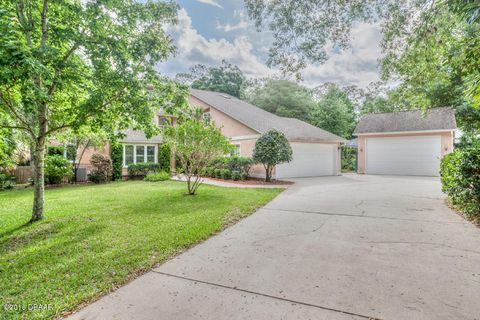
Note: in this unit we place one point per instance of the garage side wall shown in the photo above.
(447, 139)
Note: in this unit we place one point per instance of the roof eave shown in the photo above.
(401, 132)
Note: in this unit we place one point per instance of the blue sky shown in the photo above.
(211, 30)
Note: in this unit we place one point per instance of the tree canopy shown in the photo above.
(196, 144)
(69, 64)
(334, 113)
(226, 78)
(282, 97)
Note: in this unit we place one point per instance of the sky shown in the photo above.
(209, 31)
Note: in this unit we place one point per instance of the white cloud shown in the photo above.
(241, 25)
(357, 65)
(210, 2)
(193, 48)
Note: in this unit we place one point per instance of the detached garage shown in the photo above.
(405, 143)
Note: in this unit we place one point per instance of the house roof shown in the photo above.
(132, 136)
(261, 120)
(405, 121)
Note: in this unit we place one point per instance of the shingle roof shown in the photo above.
(261, 120)
(131, 136)
(404, 121)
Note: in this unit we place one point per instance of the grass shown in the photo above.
(97, 237)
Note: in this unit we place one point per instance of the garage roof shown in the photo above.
(261, 120)
(405, 121)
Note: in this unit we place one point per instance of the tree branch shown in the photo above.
(15, 113)
(63, 126)
(44, 24)
(12, 127)
(23, 21)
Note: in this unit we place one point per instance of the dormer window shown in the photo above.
(163, 122)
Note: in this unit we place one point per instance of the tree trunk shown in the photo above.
(39, 168)
(268, 175)
(39, 184)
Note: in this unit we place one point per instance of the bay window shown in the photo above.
(139, 153)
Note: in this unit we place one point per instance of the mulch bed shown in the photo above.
(254, 181)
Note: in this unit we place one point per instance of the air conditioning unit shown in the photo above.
(82, 175)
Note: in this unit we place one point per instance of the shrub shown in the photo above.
(218, 173)
(55, 151)
(209, 172)
(157, 176)
(140, 170)
(236, 175)
(164, 155)
(272, 148)
(102, 169)
(243, 176)
(225, 174)
(460, 175)
(7, 181)
(116, 154)
(57, 169)
(241, 164)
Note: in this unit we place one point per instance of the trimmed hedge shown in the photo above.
(236, 168)
(460, 175)
(140, 170)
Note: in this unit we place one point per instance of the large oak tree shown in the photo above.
(74, 63)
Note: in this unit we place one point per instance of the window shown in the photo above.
(139, 153)
(151, 154)
(128, 155)
(163, 122)
(236, 151)
(207, 117)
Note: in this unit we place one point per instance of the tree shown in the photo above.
(74, 64)
(303, 29)
(334, 113)
(196, 144)
(272, 148)
(226, 78)
(283, 98)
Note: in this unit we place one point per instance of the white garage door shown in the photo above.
(415, 156)
(310, 160)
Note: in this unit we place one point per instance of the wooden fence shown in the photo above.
(23, 174)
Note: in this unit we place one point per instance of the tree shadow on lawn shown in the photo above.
(49, 266)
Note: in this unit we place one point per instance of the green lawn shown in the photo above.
(96, 237)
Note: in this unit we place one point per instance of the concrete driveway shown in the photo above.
(349, 247)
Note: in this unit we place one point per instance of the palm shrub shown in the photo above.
(460, 176)
(272, 148)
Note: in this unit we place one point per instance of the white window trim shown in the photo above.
(145, 145)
